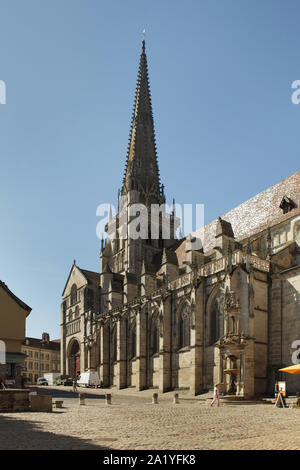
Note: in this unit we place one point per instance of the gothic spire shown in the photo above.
(141, 172)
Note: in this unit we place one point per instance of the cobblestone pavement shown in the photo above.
(133, 422)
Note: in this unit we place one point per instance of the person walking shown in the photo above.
(74, 385)
(216, 395)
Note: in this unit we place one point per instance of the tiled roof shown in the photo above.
(38, 343)
(259, 212)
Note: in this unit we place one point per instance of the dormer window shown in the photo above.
(287, 204)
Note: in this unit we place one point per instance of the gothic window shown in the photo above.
(77, 312)
(184, 328)
(216, 318)
(155, 335)
(73, 294)
(133, 342)
(89, 299)
(114, 345)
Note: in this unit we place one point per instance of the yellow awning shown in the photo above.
(292, 369)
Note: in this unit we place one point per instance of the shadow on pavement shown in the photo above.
(64, 392)
(16, 434)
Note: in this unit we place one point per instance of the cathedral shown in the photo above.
(165, 314)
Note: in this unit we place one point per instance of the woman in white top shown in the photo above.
(216, 395)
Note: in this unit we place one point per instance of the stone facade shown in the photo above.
(78, 309)
(42, 357)
(13, 314)
(167, 316)
(14, 400)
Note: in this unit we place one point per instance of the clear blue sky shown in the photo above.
(220, 74)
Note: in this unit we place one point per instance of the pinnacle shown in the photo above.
(141, 153)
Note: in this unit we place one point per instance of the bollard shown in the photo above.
(81, 399)
(108, 398)
(155, 399)
(176, 399)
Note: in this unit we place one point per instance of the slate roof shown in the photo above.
(92, 277)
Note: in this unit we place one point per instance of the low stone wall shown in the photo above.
(41, 403)
(14, 400)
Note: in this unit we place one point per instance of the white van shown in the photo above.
(42, 381)
(88, 379)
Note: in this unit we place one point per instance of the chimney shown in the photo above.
(46, 338)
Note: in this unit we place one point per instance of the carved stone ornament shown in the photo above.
(231, 302)
(193, 316)
(165, 295)
(233, 339)
(161, 325)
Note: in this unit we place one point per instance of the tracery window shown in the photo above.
(154, 335)
(216, 318)
(184, 328)
(73, 294)
(114, 344)
(133, 341)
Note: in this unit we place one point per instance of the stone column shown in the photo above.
(104, 355)
(141, 338)
(63, 354)
(165, 382)
(249, 390)
(82, 343)
(196, 377)
(121, 353)
(275, 324)
(89, 357)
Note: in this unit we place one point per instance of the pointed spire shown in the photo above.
(180, 233)
(173, 208)
(141, 172)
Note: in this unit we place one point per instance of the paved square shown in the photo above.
(133, 422)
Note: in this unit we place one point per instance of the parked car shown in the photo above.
(42, 381)
(88, 379)
(64, 380)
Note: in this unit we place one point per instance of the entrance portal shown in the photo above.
(74, 359)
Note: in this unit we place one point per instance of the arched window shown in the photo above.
(76, 311)
(133, 342)
(89, 298)
(184, 328)
(216, 318)
(73, 294)
(154, 335)
(114, 344)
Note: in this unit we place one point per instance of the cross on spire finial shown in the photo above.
(144, 33)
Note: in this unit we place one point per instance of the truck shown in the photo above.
(88, 379)
(51, 377)
(64, 380)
